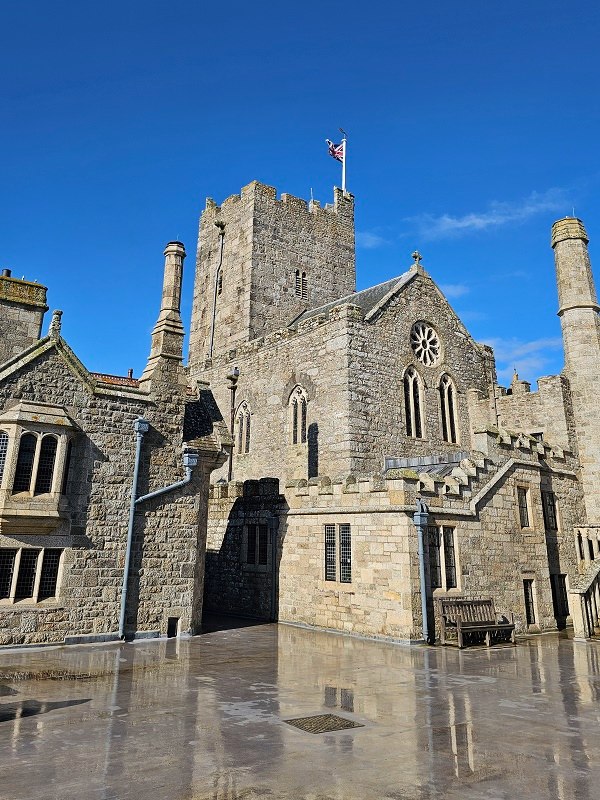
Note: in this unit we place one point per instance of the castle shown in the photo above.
(324, 415)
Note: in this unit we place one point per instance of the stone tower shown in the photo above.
(22, 308)
(261, 262)
(578, 312)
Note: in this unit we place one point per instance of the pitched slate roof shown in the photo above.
(366, 299)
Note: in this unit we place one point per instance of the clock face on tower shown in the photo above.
(425, 343)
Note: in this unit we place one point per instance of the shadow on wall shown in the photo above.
(313, 450)
(242, 572)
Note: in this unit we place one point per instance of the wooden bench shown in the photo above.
(471, 619)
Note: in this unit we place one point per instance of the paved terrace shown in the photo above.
(205, 718)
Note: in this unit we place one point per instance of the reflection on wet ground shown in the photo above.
(204, 719)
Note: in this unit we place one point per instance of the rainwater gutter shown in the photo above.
(190, 460)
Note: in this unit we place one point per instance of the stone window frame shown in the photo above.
(243, 428)
(448, 408)
(524, 511)
(549, 511)
(413, 392)
(445, 533)
(264, 533)
(11, 600)
(58, 463)
(298, 415)
(337, 552)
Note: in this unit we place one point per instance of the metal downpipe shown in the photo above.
(420, 518)
(140, 427)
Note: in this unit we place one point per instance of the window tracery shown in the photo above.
(425, 343)
(298, 414)
(243, 428)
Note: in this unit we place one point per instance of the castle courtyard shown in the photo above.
(208, 717)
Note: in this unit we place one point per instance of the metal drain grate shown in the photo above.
(323, 723)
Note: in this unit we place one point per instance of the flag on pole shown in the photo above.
(336, 150)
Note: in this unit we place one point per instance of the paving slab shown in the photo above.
(206, 718)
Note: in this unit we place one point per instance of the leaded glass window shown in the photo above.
(25, 459)
(3, 451)
(523, 506)
(45, 469)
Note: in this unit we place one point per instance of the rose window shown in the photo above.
(425, 343)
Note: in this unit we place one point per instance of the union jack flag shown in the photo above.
(335, 150)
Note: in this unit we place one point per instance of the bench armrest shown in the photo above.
(505, 617)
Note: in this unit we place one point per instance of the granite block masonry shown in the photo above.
(67, 458)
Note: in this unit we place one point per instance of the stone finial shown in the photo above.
(417, 258)
(568, 228)
(55, 325)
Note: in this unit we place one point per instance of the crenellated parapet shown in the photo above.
(343, 202)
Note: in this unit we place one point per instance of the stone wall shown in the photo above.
(545, 413)
(351, 364)
(314, 356)
(265, 240)
(231, 584)
(478, 499)
(169, 531)
(380, 352)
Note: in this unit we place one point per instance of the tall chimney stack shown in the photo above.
(168, 333)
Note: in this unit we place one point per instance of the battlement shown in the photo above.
(18, 290)
(256, 192)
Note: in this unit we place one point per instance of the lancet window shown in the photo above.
(413, 412)
(243, 428)
(298, 415)
(448, 409)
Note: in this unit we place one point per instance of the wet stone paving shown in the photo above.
(207, 718)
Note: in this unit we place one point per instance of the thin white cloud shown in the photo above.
(369, 240)
(429, 226)
(454, 289)
(530, 359)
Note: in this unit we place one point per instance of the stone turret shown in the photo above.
(578, 312)
(168, 333)
(22, 308)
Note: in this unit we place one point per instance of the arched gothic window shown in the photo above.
(3, 450)
(298, 415)
(243, 428)
(301, 285)
(413, 404)
(448, 409)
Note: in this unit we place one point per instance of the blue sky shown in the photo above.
(472, 127)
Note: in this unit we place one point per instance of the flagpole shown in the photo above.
(344, 164)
